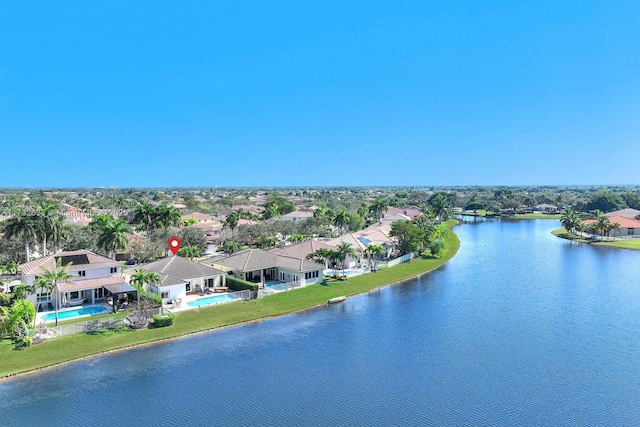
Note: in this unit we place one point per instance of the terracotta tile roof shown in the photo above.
(625, 222)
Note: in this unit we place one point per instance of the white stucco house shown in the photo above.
(256, 265)
(180, 276)
(94, 277)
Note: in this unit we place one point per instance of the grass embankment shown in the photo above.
(64, 349)
(536, 215)
(531, 215)
(622, 244)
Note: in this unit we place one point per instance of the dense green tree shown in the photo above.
(232, 219)
(409, 237)
(193, 236)
(605, 201)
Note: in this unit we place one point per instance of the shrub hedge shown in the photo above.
(236, 284)
(161, 320)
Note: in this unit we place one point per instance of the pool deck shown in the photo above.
(61, 310)
(184, 304)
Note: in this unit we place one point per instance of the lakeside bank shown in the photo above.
(633, 244)
(75, 347)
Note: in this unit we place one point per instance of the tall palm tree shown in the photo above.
(50, 224)
(345, 250)
(112, 235)
(341, 220)
(24, 227)
(145, 214)
(167, 216)
(378, 208)
(49, 279)
(139, 279)
(441, 207)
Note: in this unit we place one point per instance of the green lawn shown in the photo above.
(623, 244)
(60, 350)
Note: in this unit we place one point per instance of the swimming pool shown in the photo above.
(213, 299)
(91, 310)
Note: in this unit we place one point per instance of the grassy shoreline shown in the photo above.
(76, 347)
(633, 244)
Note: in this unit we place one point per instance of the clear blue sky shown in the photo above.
(323, 93)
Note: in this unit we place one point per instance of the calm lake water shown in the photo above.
(520, 328)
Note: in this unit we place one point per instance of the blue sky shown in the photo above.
(331, 93)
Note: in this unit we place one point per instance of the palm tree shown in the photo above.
(166, 216)
(10, 267)
(138, 279)
(601, 224)
(375, 253)
(296, 238)
(378, 208)
(145, 214)
(341, 220)
(570, 220)
(441, 207)
(112, 234)
(190, 252)
(23, 227)
(345, 250)
(50, 224)
(21, 292)
(49, 279)
(613, 226)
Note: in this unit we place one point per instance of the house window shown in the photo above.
(74, 295)
(113, 270)
(295, 278)
(209, 283)
(164, 294)
(307, 276)
(631, 231)
(82, 273)
(187, 286)
(282, 276)
(45, 297)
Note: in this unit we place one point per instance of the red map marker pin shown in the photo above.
(174, 245)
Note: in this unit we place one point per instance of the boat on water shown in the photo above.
(336, 300)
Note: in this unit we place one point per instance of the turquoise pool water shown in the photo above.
(213, 299)
(76, 312)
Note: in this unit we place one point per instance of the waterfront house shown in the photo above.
(628, 227)
(94, 277)
(179, 277)
(259, 266)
